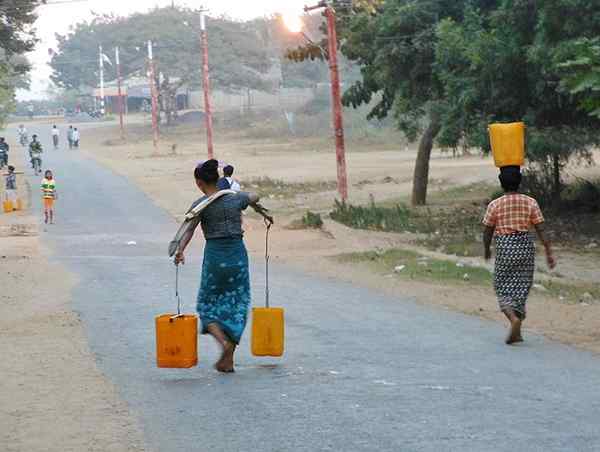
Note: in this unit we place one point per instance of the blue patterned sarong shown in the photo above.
(224, 295)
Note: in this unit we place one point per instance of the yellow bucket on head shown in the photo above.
(268, 332)
(7, 206)
(176, 341)
(508, 144)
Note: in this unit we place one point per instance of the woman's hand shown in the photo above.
(550, 260)
(179, 258)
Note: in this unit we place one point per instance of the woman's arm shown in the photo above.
(185, 240)
(488, 235)
(253, 198)
(539, 228)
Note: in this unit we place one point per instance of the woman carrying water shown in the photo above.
(224, 295)
(510, 219)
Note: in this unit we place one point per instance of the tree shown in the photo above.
(579, 64)
(394, 42)
(237, 57)
(502, 66)
(16, 38)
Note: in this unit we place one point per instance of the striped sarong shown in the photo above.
(514, 269)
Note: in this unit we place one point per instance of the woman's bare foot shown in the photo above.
(514, 335)
(225, 363)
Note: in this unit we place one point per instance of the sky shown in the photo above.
(59, 17)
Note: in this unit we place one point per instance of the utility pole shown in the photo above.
(336, 99)
(154, 95)
(101, 63)
(119, 93)
(206, 85)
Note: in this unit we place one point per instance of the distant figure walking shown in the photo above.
(55, 137)
(48, 196)
(22, 133)
(4, 148)
(35, 154)
(11, 187)
(224, 295)
(510, 219)
(227, 182)
(75, 138)
(233, 184)
(70, 135)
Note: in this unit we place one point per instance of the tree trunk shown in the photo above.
(421, 175)
(557, 188)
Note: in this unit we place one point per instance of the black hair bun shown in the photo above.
(211, 165)
(208, 171)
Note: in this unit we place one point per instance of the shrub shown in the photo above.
(312, 220)
(395, 219)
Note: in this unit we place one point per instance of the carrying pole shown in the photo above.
(267, 292)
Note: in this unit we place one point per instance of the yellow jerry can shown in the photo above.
(268, 325)
(7, 206)
(176, 341)
(268, 331)
(508, 144)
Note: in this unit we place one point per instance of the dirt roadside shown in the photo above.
(167, 180)
(53, 398)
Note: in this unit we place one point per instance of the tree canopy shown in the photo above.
(236, 57)
(16, 38)
(445, 70)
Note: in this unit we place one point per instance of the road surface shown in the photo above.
(362, 371)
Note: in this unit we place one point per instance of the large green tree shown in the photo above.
(16, 38)
(504, 66)
(579, 64)
(237, 58)
(395, 42)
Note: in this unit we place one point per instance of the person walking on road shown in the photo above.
(35, 154)
(55, 137)
(48, 196)
(70, 133)
(75, 138)
(11, 187)
(224, 294)
(228, 177)
(22, 133)
(4, 148)
(510, 219)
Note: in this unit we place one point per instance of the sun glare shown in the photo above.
(293, 23)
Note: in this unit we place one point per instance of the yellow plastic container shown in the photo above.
(176, 341)
(268, 332)
(508, 144)
(7, 206)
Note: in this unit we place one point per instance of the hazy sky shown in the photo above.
(59, 17)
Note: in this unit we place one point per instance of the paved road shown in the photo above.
(362, 371)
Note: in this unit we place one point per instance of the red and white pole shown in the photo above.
(154, 95)
(119, 93)
(336, 99)
(206, 86)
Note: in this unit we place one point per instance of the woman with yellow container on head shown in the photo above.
(48, 196)
(510, 220)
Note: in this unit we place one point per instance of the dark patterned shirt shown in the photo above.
(223, 218)
(11, 181)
